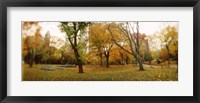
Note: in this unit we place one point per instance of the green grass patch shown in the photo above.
(97, 73)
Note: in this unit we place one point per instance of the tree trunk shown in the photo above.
(31, 63)
(107, 62)
(177, 60)
(62, 57)
(140, 63)
(78, 59)
(101, 62)
(177, 65)
(126, 60)
(150, 58)
(167, 47)
(107, 54)
(138, 49)
(31, 57)
(79, 62)
(80, 67)
(149, 62)
(139, 60)
(122, 58)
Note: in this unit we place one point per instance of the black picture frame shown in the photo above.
(99, 3)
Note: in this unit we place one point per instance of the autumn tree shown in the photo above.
(146, 50)
(155, 44)
(100, 41)
(119, 56)
(95, 42)
(67, 54)
(130, 37)
(52, 43)
(74, 31)
(169, 40)
(32, 41)
(47, 46)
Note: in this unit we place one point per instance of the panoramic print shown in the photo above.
(100, 51)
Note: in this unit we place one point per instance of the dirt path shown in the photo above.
(161, 66)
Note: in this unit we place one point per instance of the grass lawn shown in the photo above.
(97, 73)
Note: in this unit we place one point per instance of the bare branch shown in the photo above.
(116, 42)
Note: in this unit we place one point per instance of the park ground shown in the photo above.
(98, 73)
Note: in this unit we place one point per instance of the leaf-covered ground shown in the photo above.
(97, 73)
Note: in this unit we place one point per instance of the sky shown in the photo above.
(148, 28)
(53, 29)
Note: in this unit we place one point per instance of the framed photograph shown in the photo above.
(91, 51)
